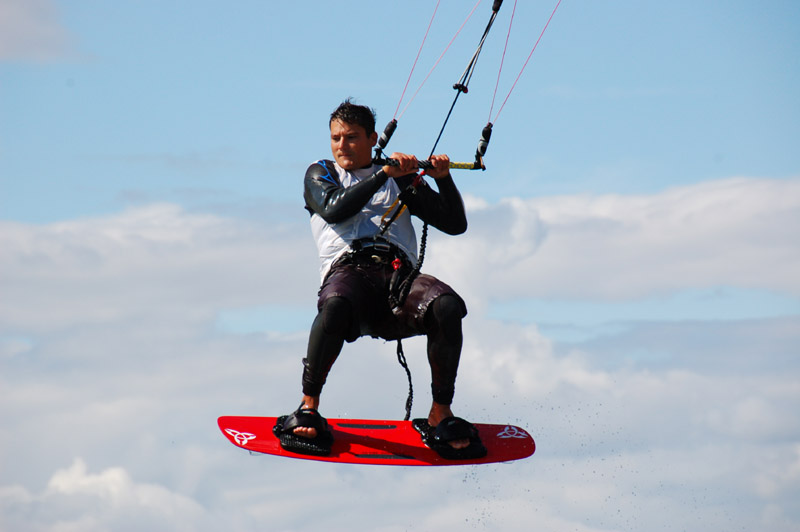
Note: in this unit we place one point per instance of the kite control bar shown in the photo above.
(426, 165)
(483, 144)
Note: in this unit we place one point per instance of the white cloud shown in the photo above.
(30, 30)
(778, 472)
(150, 260)
(740, 232)
(76, 499)
(188, 267)
(110, 354)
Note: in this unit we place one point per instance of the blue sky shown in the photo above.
(143, 100)
(630, 267)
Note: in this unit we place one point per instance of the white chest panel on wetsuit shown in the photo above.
(333, 240)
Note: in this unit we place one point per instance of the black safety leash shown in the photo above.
(401, 358)
(461, 86)
(397, 301)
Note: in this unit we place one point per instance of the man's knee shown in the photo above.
(337, 315)
(447, 310)
(444, 318)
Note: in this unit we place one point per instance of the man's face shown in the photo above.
(350, 145)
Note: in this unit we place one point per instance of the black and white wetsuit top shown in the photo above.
(346, 206)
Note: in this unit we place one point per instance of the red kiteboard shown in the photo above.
(377, 442)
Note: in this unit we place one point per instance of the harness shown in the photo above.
(377, 251)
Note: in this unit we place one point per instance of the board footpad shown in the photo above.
(319, 446)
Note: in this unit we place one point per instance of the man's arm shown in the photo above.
(325, 196)
(444, 210)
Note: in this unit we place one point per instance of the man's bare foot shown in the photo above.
(308, 432)
(437, 414)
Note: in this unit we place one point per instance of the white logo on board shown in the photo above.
(512, 432)
(241, 437)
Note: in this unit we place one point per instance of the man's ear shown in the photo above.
(373, 139)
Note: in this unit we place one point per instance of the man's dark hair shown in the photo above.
(351, 113)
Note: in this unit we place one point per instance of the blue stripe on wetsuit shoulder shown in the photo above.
(328, 176)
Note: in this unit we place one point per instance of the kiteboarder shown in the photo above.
(369, 283)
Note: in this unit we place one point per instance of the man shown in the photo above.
(362, 270)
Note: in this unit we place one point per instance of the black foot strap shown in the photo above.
(320, 445)
(438, 438)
